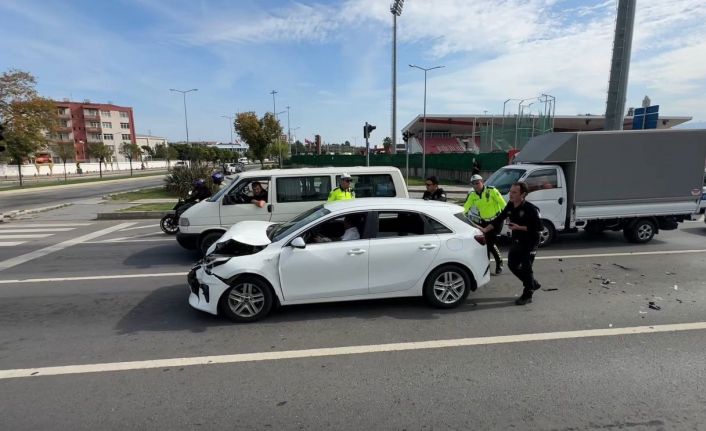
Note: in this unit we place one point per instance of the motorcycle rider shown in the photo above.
(199, 192)
(217, 179)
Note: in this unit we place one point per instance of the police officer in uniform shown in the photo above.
(433, 192)
(344, 191)
(484, 203)
(525, 225)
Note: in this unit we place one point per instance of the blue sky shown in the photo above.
(330, 60)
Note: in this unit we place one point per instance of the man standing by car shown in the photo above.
(433, 192)
(483, 204)
(344, 191)
(525, 225)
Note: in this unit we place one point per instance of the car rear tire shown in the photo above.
(447, 287)
(208, 240)
(247, 300)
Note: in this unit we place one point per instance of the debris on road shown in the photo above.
(551, 289)
(676, 287)
(621, 266)
(653, 306)
(669, 273)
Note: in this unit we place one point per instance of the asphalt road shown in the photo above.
(611, 381)
(48, 196)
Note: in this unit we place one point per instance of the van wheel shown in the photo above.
(546, 236)
(208, 240)
(641, 232)
(248, 299)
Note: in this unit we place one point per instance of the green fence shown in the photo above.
(456, 167)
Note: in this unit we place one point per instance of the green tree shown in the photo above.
(160, 151)
(26, 117)
(99, 151)
(387, 145)
(170, 154)
(130, 151)
(65, 151)
(146, 149)
(260, 134)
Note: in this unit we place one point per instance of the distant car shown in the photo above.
(397, 248)
(180, 164)
(244, 160)
(233, 168)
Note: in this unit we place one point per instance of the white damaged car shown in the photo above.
(342, 251)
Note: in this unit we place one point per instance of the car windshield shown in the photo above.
(222, 191)
(502, 179)
(284, 229)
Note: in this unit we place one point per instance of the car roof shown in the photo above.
(394, 204)
(353, 170)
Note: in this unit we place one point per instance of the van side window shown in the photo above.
(372, 185)
(243, 192)
(541, 180)
(303, 189)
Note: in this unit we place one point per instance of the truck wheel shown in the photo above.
(546, 236)
(641, 232)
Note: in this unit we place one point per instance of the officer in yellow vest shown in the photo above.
(482, 205)
(344, 191)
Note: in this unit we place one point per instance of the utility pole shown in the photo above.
(620, 65)
(186, 121)
(396, 9)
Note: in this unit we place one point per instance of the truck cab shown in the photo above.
(547, 190)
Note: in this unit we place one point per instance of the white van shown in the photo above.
(289, 193)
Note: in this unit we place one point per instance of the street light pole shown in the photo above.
(186, 121)
(396, 9)
(424, 127)
(289, 133)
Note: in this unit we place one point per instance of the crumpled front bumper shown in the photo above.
(204, 290)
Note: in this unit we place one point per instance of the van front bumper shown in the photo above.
(189, 241)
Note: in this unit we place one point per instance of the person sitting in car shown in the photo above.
(350, 233)
(259, 194)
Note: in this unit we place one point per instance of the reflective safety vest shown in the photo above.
(485, 206)
(339, 194)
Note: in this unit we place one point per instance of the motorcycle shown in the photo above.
(170, 222)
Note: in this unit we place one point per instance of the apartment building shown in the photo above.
(85, 123)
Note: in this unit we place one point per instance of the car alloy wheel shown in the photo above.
(246, 300)
(449, 287)
(249, 299)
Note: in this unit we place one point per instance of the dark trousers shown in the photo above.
(520, 259)
(491, 243)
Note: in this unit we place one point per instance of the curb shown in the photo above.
(110, 195)
(14, 213)
(132, 215)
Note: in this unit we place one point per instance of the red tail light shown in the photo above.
(480, 239)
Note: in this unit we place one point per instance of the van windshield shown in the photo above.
(222, 191)
(503, 178)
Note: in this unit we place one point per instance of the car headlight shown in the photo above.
(183, 221)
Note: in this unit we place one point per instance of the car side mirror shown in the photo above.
(298, 242)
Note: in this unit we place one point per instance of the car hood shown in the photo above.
(248, 232)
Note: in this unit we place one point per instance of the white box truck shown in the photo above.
(637, 181)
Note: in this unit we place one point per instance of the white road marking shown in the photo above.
(637, 253)
(25, 235)
(11, 243)
(13, 225)
(18, 260)
(341, 351)
(126, 241)
(140, 227)
(92, 277)
(58, 229)
(133, 236)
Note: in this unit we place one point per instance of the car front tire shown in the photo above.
(447, 287)
(247, 300)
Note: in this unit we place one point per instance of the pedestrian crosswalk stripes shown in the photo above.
(14, 234)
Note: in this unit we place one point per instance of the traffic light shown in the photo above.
(367, 129)
(405, 136)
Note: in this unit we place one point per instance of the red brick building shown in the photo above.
(86, 123)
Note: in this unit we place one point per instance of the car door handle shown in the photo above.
(561, 201)
(269, 207)
(355, 251)
(427, 247)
